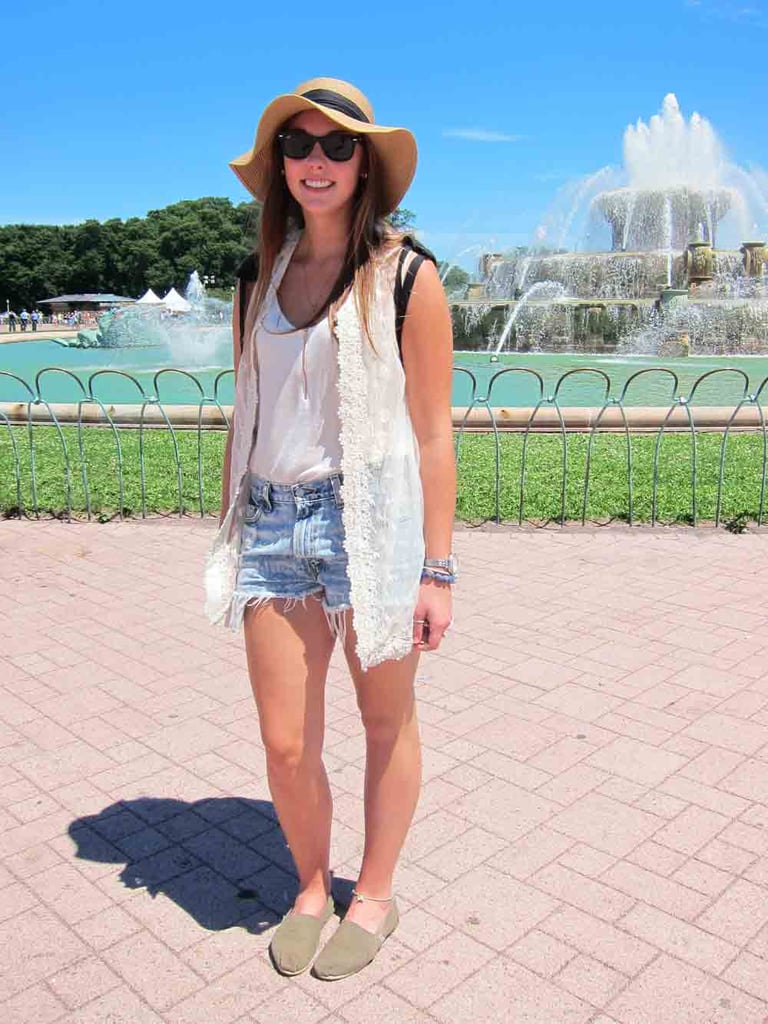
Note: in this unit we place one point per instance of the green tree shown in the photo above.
(402, 219)
(454, 278)
(210, 235)
(127, 257)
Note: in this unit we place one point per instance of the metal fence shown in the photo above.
(39, 412)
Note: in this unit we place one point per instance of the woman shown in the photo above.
(339, 482)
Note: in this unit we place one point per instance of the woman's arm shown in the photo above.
(428, 362)
(237, 348)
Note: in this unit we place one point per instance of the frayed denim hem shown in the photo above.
(335, 617)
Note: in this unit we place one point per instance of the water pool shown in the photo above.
(105, 368)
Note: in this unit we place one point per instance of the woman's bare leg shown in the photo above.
(392, 772)
(288, 656)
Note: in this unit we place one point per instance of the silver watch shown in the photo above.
(449, 564)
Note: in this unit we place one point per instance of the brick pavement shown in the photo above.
(592, 840)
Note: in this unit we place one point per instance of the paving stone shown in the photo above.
(702, 877)
(36, 1004)
(681, 901)
(586, 860)
(712, 798)
(679, 938)
(594, 814)
(669, 990)
(749, 972)
(749, 780)
(35, 944)
(152, 970)
(723, 855)
(572, 784)
(738, 914)
(66, 891)
(83, 981)
(375, 1006)
(600, 940)
(441, 967)
(541, 953)
(691, 829)
(527, 855)
(590, 980)
(466, 851)
(491, 906)
(418, 930)
(606, 824)
(503, 990)
(503, 809)
(638, 762)
(107, 927)
(600, 900)
(120, 1006)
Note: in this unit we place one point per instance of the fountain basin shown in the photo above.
(118, 382)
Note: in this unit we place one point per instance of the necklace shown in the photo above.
(324, 292)
(315, 306)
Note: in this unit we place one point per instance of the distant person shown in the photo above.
(35, 318)
(12, 322)
(331, 504)
(24, 317)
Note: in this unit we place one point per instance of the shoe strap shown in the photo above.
(359, 897)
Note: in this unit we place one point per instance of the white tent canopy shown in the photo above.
(175, 302)
(149, 298)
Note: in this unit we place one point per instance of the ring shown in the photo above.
(420, 622)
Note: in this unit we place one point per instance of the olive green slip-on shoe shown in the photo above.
(351, 948)
(295, 942)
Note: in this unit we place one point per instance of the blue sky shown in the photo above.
(114, 109)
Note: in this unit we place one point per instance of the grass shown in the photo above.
(607, 499)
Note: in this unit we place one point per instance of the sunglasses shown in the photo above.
(297, 144)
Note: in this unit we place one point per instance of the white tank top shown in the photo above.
(298, 436)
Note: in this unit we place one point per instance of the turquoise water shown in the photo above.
(655, 383)
(518, 388)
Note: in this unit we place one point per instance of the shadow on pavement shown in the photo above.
(223, 860)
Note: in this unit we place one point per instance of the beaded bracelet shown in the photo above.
(436, 574)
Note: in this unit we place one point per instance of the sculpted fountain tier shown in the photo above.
(192, 331)
(673, 274)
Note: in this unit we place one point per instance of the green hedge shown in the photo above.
(608, 493)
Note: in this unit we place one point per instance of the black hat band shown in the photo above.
(335, 101)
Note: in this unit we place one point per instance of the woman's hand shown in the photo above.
(433, 614)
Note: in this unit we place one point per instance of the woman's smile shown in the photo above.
(317, 183)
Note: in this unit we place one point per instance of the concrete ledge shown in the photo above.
(185, 417)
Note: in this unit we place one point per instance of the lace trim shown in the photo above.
(375, 640)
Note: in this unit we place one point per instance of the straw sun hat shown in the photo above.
(347, 107)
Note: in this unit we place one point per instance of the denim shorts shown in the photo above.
(293, 547)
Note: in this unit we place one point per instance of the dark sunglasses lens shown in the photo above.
(296, 145)
(338, 145)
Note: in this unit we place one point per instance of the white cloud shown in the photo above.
(480, 135)
(736, 11)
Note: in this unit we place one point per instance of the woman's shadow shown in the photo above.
(223, 860)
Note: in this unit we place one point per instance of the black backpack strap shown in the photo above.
(404, 281)
(247, 273)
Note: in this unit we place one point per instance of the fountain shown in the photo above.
(674, 276)
(199, 336)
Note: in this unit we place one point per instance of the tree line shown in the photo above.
(125, 257)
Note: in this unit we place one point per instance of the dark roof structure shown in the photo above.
(104, 298)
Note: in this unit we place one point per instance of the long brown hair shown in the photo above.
(370, 234)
